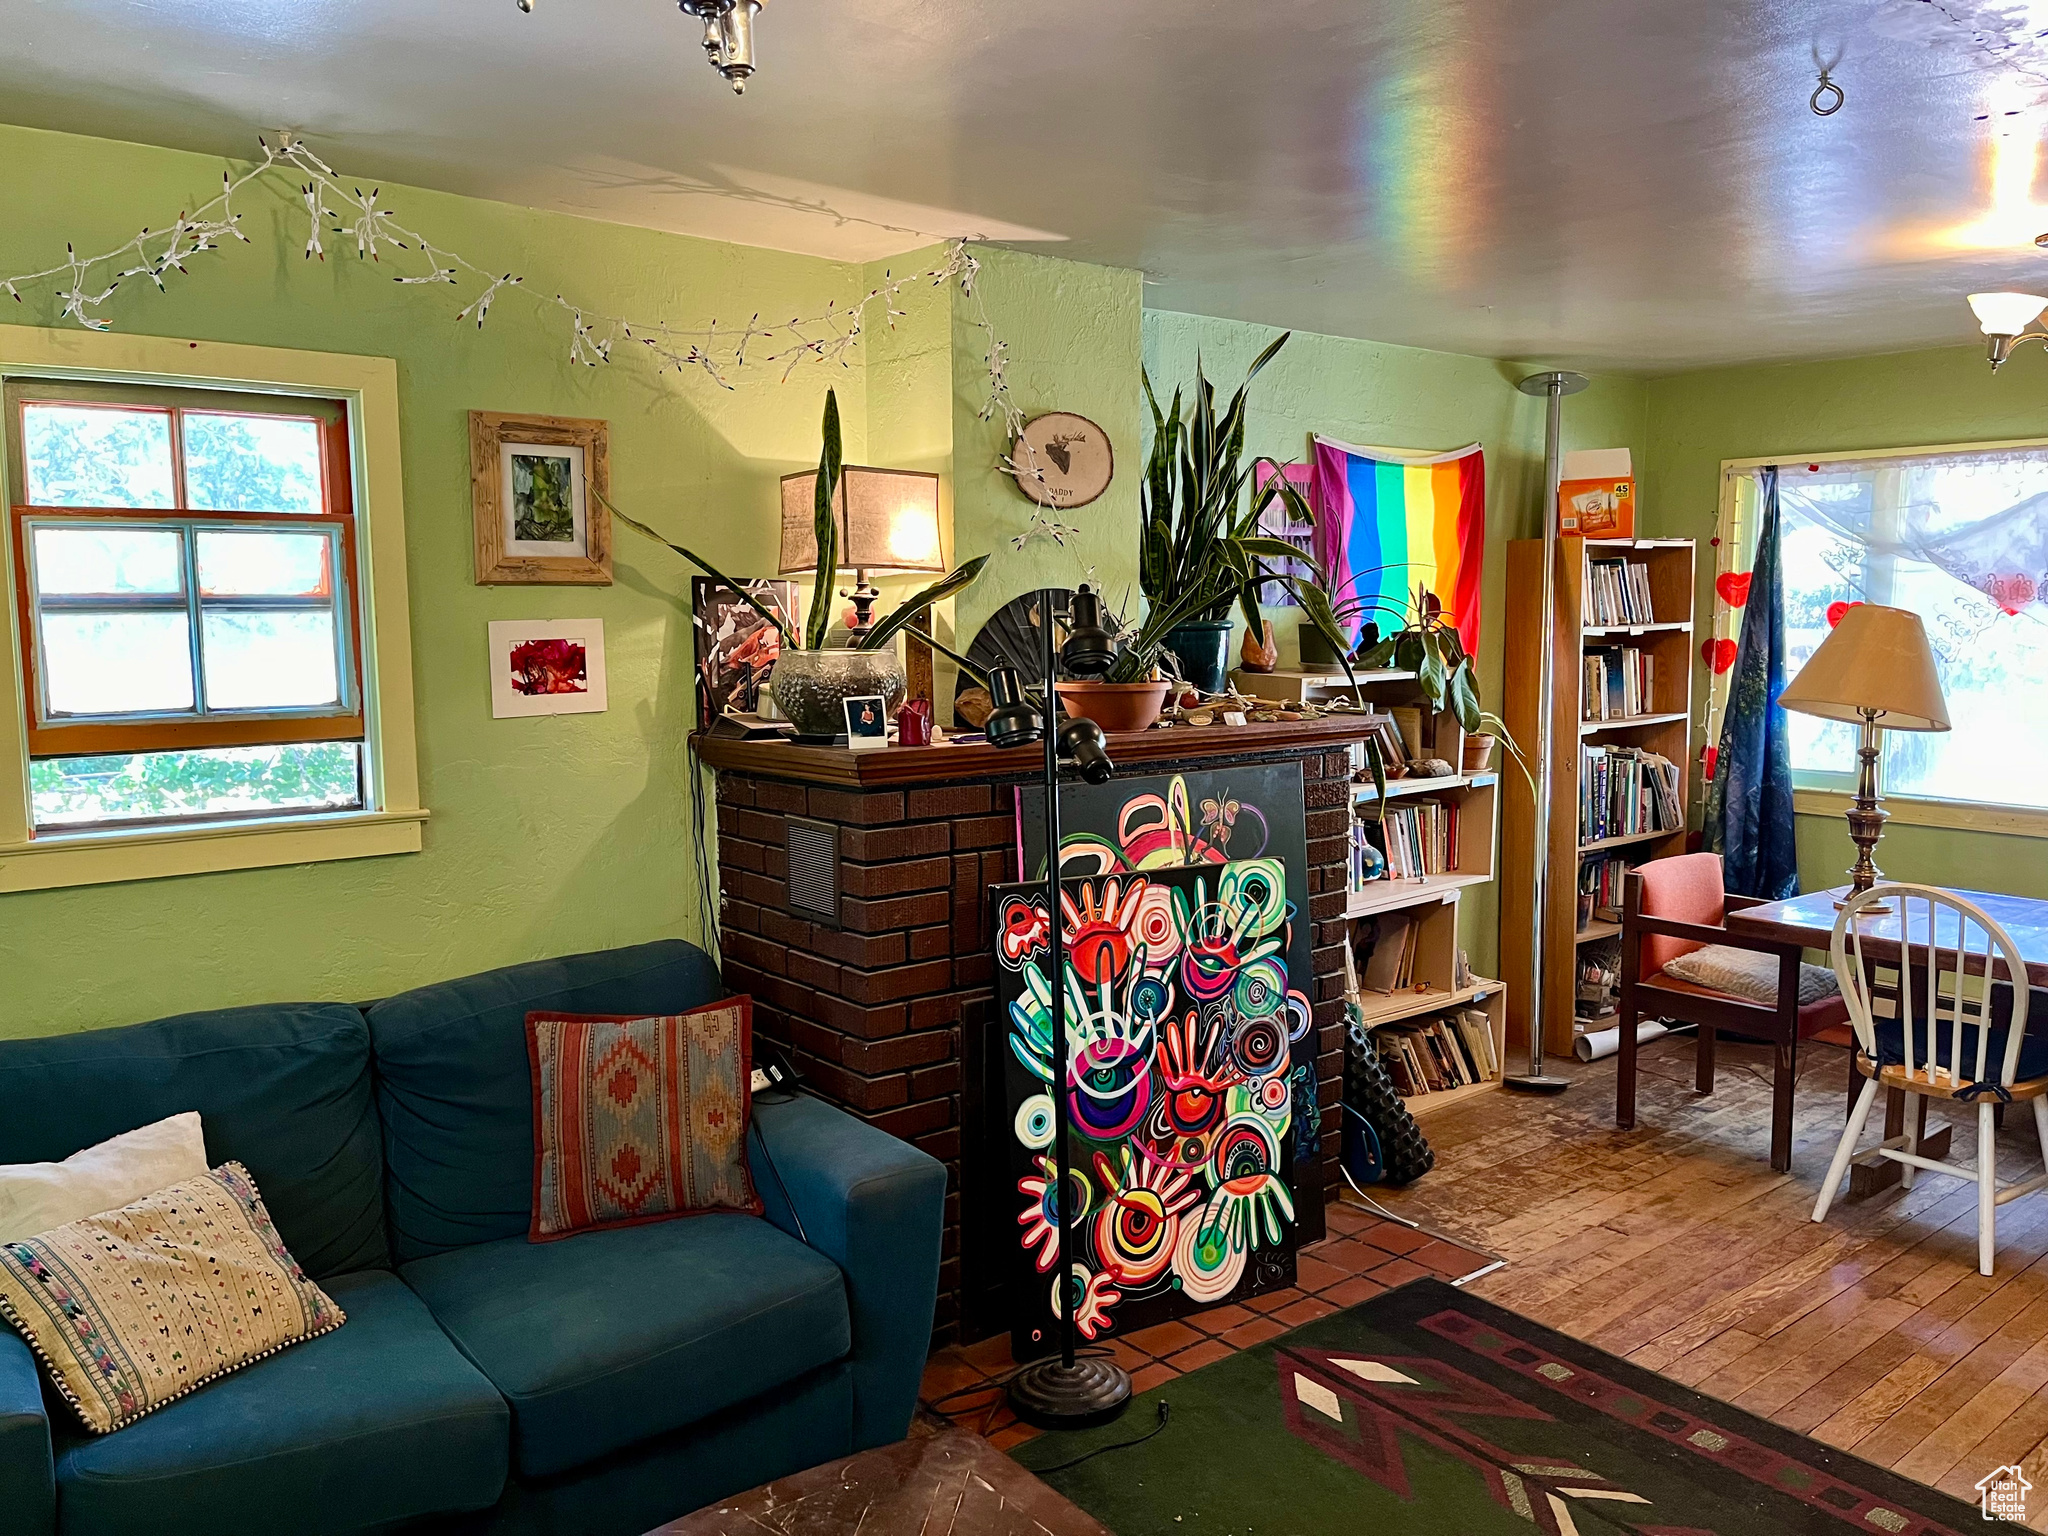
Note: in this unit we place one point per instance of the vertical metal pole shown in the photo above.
(1058, 943)
(1554, 387)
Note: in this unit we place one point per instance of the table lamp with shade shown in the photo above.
(888, 526)
(1875, 671)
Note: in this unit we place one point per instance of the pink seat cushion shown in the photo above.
(1686, 889)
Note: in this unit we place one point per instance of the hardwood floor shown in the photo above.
(1676, 1246)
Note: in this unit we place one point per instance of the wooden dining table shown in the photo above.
(1809, 920)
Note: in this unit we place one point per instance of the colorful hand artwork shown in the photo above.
(1179, 1093)
(1164, 831)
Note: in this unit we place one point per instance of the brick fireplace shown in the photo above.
(888, 1010)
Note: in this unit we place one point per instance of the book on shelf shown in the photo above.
(1427, 1066)
(1477, 1034)
(1388, 963)
(1401, 1067)
(1601, 884)
(1624, 791)
(1382, 728)
(1617, 592)
(1408, 722)
(1620, 682)
(1432, 1055)
(1417, 837)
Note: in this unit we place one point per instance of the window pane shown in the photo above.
(72, 791)
(85, 560)
(1994, 673)
(1820, 571)
(264, 564)
(251, 464)
(269, 659)
(117, 663)
(96, 456)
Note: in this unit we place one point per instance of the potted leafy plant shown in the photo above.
(1427, 643)
(810, 680)
(1199, 549)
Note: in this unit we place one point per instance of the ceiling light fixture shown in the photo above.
(728, 35)
(2004, 318)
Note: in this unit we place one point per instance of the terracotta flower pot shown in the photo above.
(1115, 706)
(1478, 753)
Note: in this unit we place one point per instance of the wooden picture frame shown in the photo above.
(578, 479)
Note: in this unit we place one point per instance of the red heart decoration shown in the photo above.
(1733, 587)
(2011, 590)
(1718, 654)
(1837, 609)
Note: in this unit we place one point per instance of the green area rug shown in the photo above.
(1429, 1411)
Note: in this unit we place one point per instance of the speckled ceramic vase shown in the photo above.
(809, 686)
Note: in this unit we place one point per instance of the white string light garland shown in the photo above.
(83, 285)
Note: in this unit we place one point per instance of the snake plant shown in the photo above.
(1199, 549)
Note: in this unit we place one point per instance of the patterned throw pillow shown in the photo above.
(131, 1309)
(638, 1120)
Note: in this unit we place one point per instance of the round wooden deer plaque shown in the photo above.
(1072, 456)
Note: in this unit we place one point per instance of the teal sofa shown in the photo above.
(596, 1385)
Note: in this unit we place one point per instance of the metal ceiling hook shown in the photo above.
(1833, 92)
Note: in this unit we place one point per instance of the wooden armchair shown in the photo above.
(1670, 907)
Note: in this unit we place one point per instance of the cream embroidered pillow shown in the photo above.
(133, 1308)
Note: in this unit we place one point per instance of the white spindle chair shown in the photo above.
(1934, 923)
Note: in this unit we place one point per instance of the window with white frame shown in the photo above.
(185, 569)
(1961, 538)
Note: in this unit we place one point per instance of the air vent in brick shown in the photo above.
(814, 869)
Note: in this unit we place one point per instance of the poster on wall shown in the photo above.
(1178, 1093)
(1276, 522)
(547, 667)
(735, 647)
(1205, 819)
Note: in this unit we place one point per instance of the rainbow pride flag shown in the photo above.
(1391, 521)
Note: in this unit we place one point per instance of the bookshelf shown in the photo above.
(1587, 625)
(1428, 903)
(1422, 910)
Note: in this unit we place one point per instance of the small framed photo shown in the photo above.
(536, 488)
(547, 667)
(867, 721)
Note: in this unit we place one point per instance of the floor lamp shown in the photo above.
(1060, 1391)
(1553, 386)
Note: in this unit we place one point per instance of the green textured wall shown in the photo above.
(1896, 400)
(548, 835)
(1401, 397)
(1072, 337)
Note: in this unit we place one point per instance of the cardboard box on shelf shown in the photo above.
(1596, 496)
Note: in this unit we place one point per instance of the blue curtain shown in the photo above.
(1749, 807)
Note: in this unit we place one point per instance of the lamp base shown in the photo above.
(1866, 817)
(1050, 1395)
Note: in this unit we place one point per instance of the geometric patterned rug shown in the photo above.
(1431, 1412)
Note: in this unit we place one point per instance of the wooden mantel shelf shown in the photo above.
(980, 762)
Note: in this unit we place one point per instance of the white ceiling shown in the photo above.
(1615, 183)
